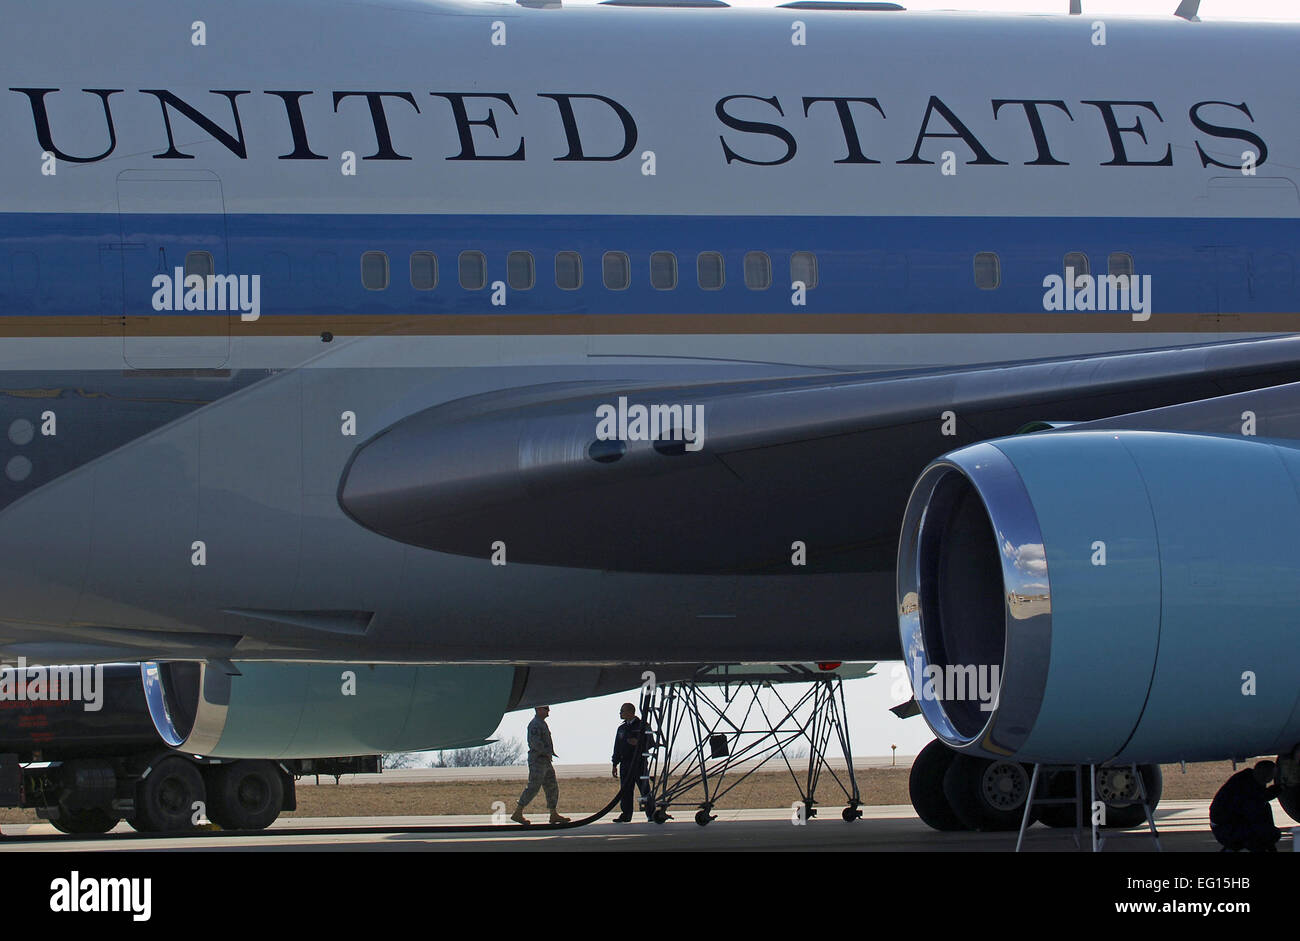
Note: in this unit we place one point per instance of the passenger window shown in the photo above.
(803, 267)
(374, 270)
(1119, 263)
(663, 271)
(711, 270)
(473, 270)
(424, 271)
(199, 263)
(521, 272)
(988, 271)
(758, 271)
(568, 271)
(1076, 262)
(616, 270)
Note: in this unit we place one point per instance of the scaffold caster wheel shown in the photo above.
(702, 817)
(851, 814)
(661, 816)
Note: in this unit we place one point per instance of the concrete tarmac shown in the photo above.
(1183, 827)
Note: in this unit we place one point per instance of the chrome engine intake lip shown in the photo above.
(986, 607)
(195, 726)
(160, 710)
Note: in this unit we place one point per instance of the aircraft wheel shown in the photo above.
(245, 795)
(986, 795)
(165, 799)
(1289, 798)
(1120, 784)
(92, 820)
(1062, 816)
(925, 785)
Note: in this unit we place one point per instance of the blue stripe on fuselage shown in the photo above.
(64, 264)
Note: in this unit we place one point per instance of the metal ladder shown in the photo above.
(1098, 840)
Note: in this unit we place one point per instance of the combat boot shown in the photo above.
(556, 818)
(518, 815)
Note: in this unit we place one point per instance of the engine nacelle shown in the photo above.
(1137, 592)
(314, 710)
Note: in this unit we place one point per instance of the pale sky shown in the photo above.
(584, 731)
(1210, 9)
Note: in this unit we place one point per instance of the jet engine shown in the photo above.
(1128, 595)
(312, 710)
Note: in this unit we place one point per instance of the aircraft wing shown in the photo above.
(823, 461)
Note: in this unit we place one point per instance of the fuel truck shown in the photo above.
(86, 756)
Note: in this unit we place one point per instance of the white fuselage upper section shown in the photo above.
(671, 70)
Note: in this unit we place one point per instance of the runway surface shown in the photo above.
(520, 772)
(1183, 826)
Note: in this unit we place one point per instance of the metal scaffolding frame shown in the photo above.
(731, 734)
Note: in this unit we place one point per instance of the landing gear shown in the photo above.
(92, 820)
(952, 791)
(245, 795)
(1060, 785)
(1117, 787)
(165, 797)
(986, 795)
(925, 785)
(1289, 798)
(1287, 780)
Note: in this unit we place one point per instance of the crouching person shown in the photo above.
(1240, 816)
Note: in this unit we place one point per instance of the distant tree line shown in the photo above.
(491, 755)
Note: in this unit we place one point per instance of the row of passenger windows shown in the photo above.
(988, 267)
(615, 270)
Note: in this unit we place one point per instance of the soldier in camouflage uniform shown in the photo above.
(540, 773)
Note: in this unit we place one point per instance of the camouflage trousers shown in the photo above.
(541, 775)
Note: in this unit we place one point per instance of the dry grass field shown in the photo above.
(761, 790)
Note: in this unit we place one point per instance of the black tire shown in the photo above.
(925, 786)
(245, 795)
(92, 820)
(661, 816)
(1062, 816)
(165, 798)
(1289, 799)
(988, 796)
(703, 817)
(1133, 815)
